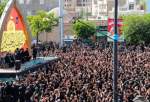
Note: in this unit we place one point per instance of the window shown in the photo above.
(28, 13)
(21, 1)
(33, 12)
(95, 1)
(131, 6)
(27, 2)
(41, 2)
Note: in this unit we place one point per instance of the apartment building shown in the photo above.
(79, 7)
(99, 9)
(84, 5)
(30, 7)
(70, 5)
(128, 7)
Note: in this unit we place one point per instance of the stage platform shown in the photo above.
(32, 65)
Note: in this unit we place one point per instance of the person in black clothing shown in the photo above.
(22, 55)
(7, 59)
(15, 92)
(27, 55)
(8, 93)
(22, 90)
(17, 54)
(10, 60)
(34, 52)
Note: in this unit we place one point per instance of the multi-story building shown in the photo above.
(79, 7)
(100, 9)
(70, 5)
(84, 7)
(129, 7)
(30, 7)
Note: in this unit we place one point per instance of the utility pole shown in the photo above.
(61, 22)
(115, 54)
(83, 10)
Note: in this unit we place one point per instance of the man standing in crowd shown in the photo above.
(34, 52)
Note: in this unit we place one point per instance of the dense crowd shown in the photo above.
(84, 74)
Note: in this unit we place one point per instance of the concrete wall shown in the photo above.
(54, 35)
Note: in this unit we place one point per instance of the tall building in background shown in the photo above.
(100, 9)
(30, 7)
(127, 7)
(79, 7)
(84, 8)
(70, 5)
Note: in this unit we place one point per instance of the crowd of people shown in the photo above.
(84, 74)
(8, 59)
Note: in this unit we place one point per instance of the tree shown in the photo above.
(84, 29)
(2, 6)
(143, 4)
(42, 21)
(136, 29)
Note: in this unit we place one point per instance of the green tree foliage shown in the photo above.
(143, 4)
(2, 6)
(136, 28)
(84, 29)
(42, 21)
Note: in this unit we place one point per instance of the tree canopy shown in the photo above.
(136, 28)
(84, 29)
(143, 4)
(42, 21)
(2, 6)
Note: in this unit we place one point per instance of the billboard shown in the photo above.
(111, 26)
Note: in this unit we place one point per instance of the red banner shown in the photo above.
(111, 26)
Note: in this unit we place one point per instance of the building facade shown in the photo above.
(30, 7)
(129, 7)
(100, 9)
(70, 5)
(79, 7)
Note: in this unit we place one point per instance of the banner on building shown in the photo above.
(111, 26)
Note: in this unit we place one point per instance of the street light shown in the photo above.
(115, 54)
